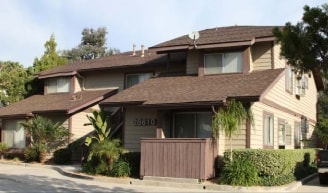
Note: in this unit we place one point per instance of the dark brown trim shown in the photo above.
(201, 63)
(57, 75)
(159, 129)
(265, 39)
(272, 56)
(246, 60)
(248, 134)
(72, 85)
(222, 45)
(111, 93)
(283, 109)
(70, 125)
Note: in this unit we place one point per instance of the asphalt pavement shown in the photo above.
(74, 171)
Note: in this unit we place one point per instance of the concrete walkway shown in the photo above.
(74, 171)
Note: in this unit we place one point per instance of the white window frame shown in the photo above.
(289, 79)
(14, 134)
(141, 76)
(237, 63)
(297, 134)
(58, 85)
(268, 129)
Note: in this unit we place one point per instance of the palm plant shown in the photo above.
(100, 124)
(45, 135)
(108, 150)
(229, 119)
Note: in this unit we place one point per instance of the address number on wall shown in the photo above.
(145, 122)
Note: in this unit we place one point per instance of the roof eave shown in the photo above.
(71, 73)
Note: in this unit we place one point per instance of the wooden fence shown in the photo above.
(178, 157)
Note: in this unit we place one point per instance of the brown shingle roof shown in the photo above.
(196, 90)
(221, 35)
(114, 61)
(60, 102)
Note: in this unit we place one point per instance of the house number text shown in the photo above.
(144, 122)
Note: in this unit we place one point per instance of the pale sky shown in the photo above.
(25, 25)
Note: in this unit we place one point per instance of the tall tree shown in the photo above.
(12, 80)
(305, 44)
(50, 57)
(92, 45)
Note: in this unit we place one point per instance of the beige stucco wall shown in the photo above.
(78, 84)
(258, 109)
(304, 105)
(279, 62)
(261, 56)
(133, 133)
(104, 80)
(78, 129)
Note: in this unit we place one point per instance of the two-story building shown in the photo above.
(166, 96)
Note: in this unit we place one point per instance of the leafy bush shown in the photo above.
(63, 156)
(240, 172)
(120, 168)
(31, 154)
(133, 158)
(277, 167)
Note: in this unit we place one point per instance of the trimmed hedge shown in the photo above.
(281, 166)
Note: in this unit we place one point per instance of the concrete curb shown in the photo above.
(200, 186)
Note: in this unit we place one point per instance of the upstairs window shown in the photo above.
(219, 63)
(133, 79)
(289, 79)
(58, 85)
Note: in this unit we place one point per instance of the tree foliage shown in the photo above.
(92, 45)
(50, 58)
(321, 128)
(99, 121)
(305, 44)
(45, 132)
(12, 77)
(229, 119)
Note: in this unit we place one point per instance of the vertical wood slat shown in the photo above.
(178, 157)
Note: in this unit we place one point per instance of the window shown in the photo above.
(281, 133)
(289, 79)
(297, 134)
(193, 125)
(219, 63)
(268, 129)
(14, 134)
(56, 85)
(301, 85)
(284, 133)
(132, 79)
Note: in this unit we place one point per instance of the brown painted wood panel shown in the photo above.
(178, 158)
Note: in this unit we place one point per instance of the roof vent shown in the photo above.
(142, 51)
(134, 50)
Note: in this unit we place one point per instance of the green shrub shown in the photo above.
(102, 168)
(133, 158)
(120, 168)
(241, 172)
(277, 167)
(31, 154)
(63, 156)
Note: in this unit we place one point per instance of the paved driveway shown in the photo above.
(17, 178)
